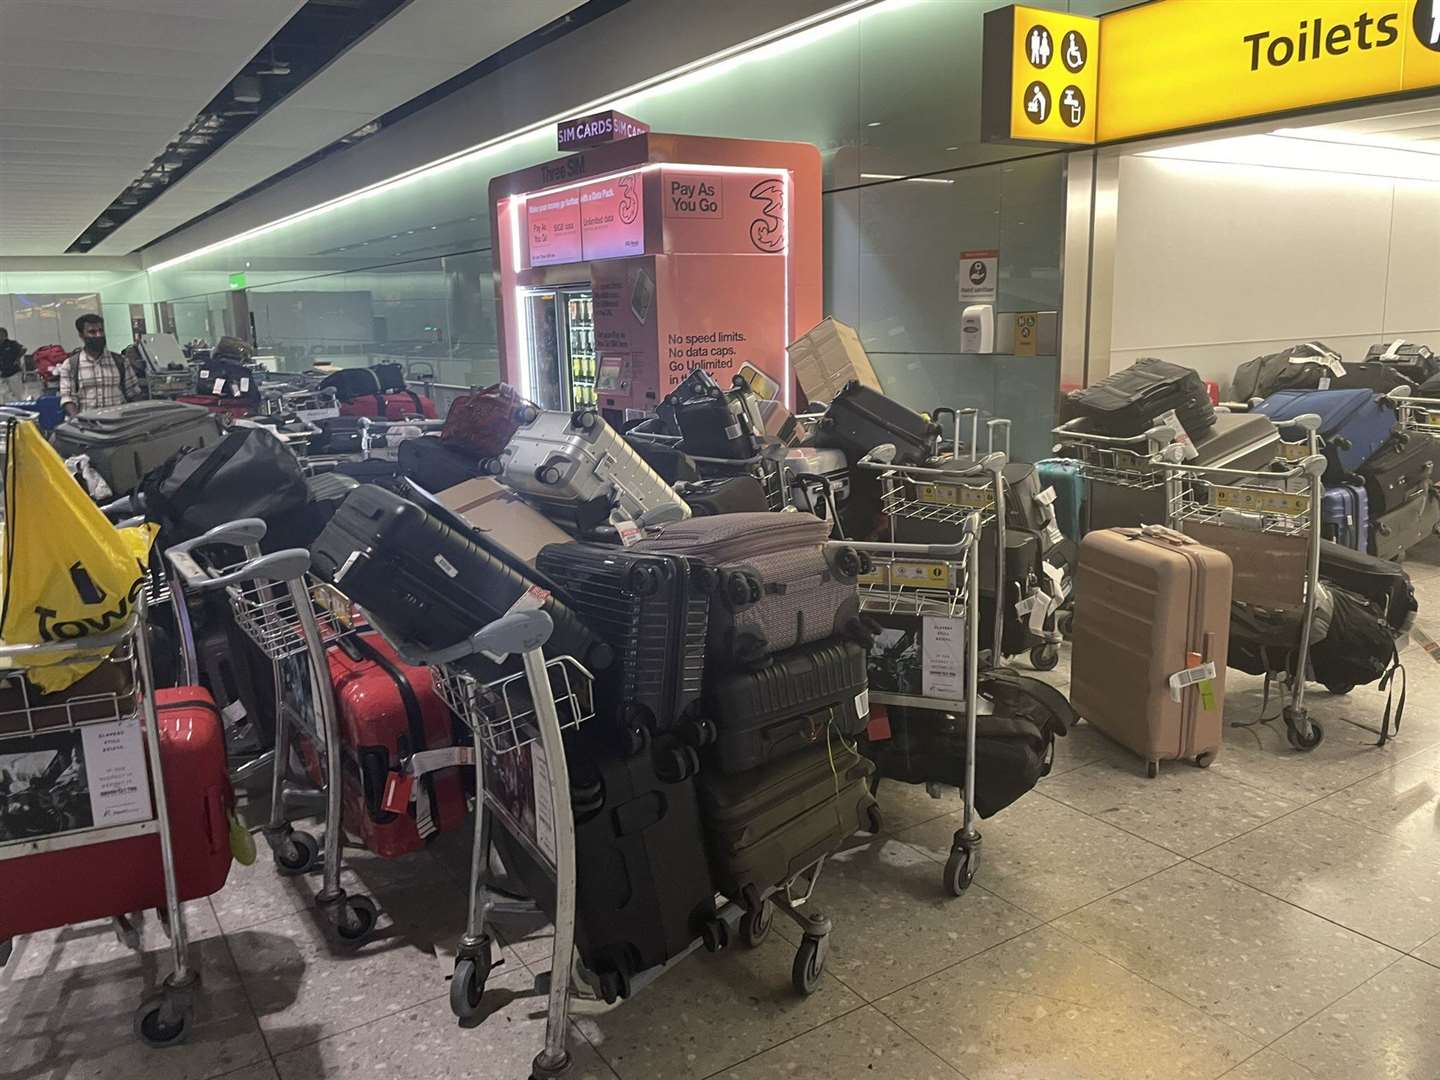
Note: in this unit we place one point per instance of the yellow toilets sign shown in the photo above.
(1171, 65)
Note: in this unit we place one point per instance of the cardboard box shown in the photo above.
(828, 357)
(507, 520)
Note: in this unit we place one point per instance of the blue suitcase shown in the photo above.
(46, 408)
(1345, 516)
(1353, 423)
(1064, 475)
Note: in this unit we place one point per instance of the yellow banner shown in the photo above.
(1177, 64)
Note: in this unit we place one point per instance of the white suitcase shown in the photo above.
(577, 470)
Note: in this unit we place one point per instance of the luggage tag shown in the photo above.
(204, 374)
(1171, 419)
(219, 386)
(1059, 588)
(630, 533)
(245, 385)
(878, 730)
(242, 844)
(1197, 673)
(399, 789)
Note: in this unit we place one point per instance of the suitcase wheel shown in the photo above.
(492, 466)
(643, 579)
(755, 925)
(527, 414)
(715, 935)
(548, 474)
(584, 419)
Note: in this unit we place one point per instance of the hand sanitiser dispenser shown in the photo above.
(977, 329)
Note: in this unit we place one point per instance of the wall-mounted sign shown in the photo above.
(597, 128)
(1178, 64)
(979, 276)
(239, 280)
(1026, 326)
(1039, 80)
(612, 217)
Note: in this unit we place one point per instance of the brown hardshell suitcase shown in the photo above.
(1150, 603)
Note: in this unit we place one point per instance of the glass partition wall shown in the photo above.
(890, 93)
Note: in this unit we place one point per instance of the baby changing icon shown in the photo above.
(1037, 103)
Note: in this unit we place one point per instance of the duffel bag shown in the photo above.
(483, 423)
(1132, 401)
(1300, 367)
(1416, 362)
(1360, 649)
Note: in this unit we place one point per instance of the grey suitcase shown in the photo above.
(124, 442)
(1401, 529)
(576, 469)
(778, 584)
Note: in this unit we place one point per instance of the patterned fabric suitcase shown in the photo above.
(653, 610)
(790, 704)
(1147, 603)
(575, 469)
(483, 423)
(778, 586)
(67, 886)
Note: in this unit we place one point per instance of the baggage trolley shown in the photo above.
(289, 617)
(1284, 501)
(761, 466)
(946, 498)
(163, 1020)
(928, 580)
(525, 713)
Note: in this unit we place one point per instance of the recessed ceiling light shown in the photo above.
(874, 123)
(952, 148)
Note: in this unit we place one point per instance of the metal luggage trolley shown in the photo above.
(947, 497)
(938, 580)
(511, 718)
(163, 1020)
(1284, 501)
(762, 467)
(288, 616)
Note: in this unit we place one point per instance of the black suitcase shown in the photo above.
(860, 419)
(726, 495)
(1381, 378)
(1393, 534)
(1384, 583)
(653, 610)
(765, 826)
(789, 705)
(643, 882)
(1402, 467)
(428, 583)
(666, 458)
(1129, 402)
(299, 528)
(717, 426)
(1416, 362)
(434, 465)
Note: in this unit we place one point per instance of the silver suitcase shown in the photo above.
(794, 462)
(576, 469)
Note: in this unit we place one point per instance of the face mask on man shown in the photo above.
(95, 345)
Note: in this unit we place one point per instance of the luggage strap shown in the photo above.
(1387, 683)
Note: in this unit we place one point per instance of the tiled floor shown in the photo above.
(1275, 917)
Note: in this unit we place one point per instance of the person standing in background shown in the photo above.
(12, 368)
(93, 377)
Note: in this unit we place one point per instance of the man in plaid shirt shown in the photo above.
(93, 377)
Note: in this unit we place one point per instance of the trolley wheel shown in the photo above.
(1045, 657)
(1152, 769)
(357, 918)
(1205, 760)
(467, 985)
(1340, 687)
(715, 935)
(809, 964)
(874, 819)
(702, 731)
(1065, 623)
(960, 870)
(153, 1030)
(755, 925)
(299, 853)
(1303, 742)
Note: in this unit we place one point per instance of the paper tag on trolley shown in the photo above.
(1171, 420)
(1259, 500)
(968, 496)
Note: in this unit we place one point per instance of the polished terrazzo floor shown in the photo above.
(1276, 917)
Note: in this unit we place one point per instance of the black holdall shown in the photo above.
(1299, 367)
(248, 473)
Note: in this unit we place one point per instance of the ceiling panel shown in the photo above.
(81, 114)
(417, 48)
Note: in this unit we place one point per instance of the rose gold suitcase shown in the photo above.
(1151, 603)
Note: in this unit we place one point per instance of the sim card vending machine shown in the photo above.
(621, 267)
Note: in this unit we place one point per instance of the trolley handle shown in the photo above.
(933, 551)
(881, 459)
(1163, 434)
(15, 658)
(514, 632)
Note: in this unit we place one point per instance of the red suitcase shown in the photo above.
(388, 709)
(399, 405)
(483, 423)
(101, 881)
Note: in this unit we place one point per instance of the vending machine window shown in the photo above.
(561, 340)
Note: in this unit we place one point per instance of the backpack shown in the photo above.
(351, 383)
(1359, 650)
(1300, 367)
(390, 376)
(121, 367)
